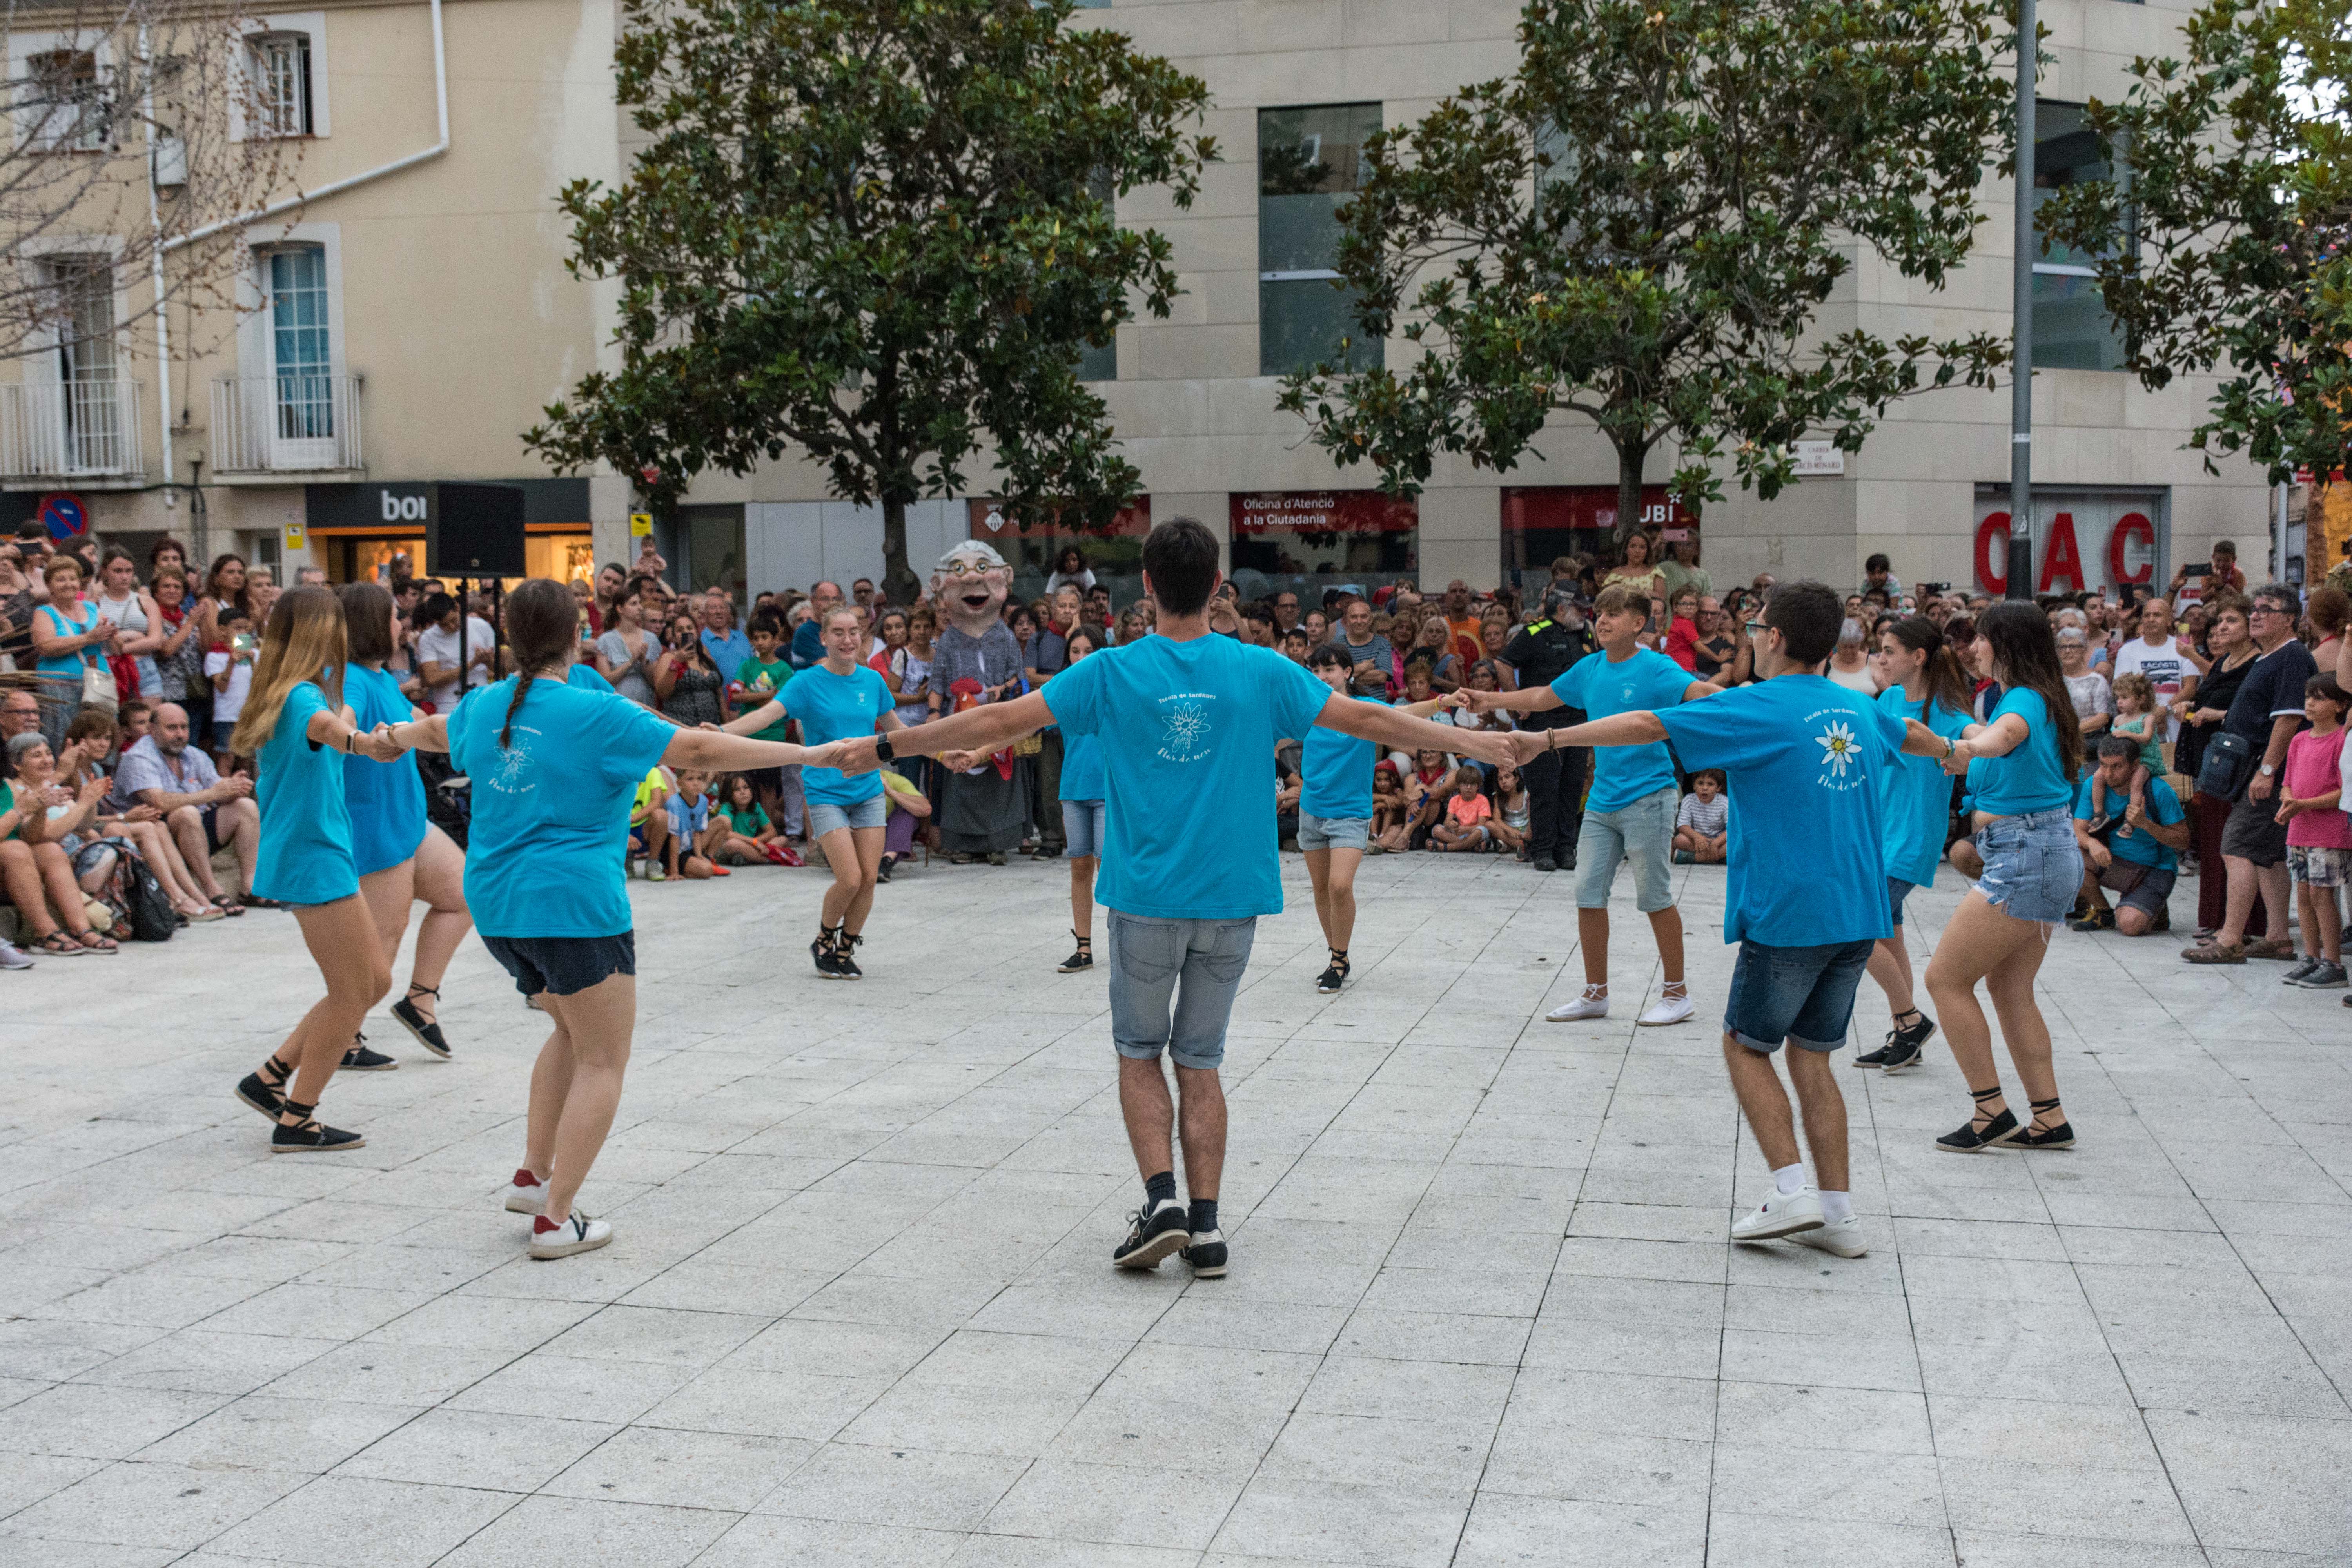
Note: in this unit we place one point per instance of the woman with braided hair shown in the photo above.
(553, 766)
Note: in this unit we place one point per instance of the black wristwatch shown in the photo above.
(882, 750)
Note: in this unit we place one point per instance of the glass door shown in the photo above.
(301, 382)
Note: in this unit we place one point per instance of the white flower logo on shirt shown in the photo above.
(516, 771)
(1839, 748)
(1187, 727)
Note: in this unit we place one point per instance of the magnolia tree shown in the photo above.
(139, 132)
(1640, 229)
(878, 233)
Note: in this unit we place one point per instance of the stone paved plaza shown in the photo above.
(860, 1309)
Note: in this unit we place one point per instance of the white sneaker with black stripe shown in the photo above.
(562, 1238)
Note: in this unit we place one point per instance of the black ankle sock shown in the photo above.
(1204, 1217)
(1159, 1189)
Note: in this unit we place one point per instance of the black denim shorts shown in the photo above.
(563, 964)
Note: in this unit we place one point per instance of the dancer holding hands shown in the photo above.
(554, 765)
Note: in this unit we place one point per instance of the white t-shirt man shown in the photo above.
(434, 645)
(2165, 665)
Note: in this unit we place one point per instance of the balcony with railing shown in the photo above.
(78, 430)
(297, 422)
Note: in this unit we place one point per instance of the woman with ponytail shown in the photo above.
(554, 765)
(401, 857)
(2022, 765)
(299, 733)
(1923, 680)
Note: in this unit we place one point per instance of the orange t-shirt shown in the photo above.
(1468, 639)
(1469, 810)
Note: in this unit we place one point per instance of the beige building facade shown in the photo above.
(405, 330)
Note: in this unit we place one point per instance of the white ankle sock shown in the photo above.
(1836, 1205)
(1788, 1179)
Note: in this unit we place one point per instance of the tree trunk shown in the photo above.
(1629, 459)
(900, 583)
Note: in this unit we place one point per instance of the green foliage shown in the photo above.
(2226, 248)
(873, 231)
(1642, 226)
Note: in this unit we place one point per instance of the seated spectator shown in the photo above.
(1467, 810)
(1682, 630)
(36, 874)
(1389, 812)
(1514, 810)
(751, 838)
(1426, 790)
(1703, 826)
(693, 835)
(1850, 664)
(1295, 644)
(649, 823)
(89, 748)
(62, 833)
(2318, 832)
(1485, 675)
(2136, 854)
(203, 812)
(908, 807)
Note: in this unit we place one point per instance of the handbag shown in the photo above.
(98, 687)
(2229, 763)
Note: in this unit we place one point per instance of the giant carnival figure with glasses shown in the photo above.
(976, 660)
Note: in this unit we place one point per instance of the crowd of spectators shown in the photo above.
(2156, 682)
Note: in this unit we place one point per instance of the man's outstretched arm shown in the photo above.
(1372, 722)
(1638, 728)
(991, 727)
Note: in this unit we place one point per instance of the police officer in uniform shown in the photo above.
(1540, 654)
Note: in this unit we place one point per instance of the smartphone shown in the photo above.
(2198, 569)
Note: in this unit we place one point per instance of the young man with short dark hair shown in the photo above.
(1806, 896)
(1186, 720)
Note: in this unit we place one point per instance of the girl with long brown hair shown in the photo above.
(298, 730)
(555, 768)
(2022, 765)
(1924, 681)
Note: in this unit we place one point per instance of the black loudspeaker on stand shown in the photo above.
(474, 531)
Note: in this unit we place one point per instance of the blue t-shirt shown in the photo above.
(726, 652)
(306, 829)
(550, 825)
(386, 799)
(688, 817)
(1337, 771)
(1914, 798)
(2139, 847)
(586, 677)
(1808, 762)
(1188, 731)
(836, 708)
(2028, 778)
(1624, 774)
(1081, 767)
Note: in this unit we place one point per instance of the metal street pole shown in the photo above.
(2019, 584)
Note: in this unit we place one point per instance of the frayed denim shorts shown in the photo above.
(2033, 867)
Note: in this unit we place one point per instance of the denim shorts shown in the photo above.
(1897, 890)
(1085, 824)
(1804, 995)
(1333, 832)
(2032, 867)
(1195, 964)
(563, 964)
(825, 817)
(1643, 833)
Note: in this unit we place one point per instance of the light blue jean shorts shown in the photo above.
(1333, 832)
(2032, 867)
(1643, 833)
(823, 816)
(1194, 965)
(1085, 824)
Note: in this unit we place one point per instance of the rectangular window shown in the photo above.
(68, 113)
(2071, 329)
(1309, 541)
(1308, 166)
(88, 403)
(301, 358)
(281, 83)
(1100, 364)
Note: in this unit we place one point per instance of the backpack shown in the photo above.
(142, 910)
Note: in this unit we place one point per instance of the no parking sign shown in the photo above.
(64, 517)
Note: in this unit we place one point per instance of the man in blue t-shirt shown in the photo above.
(2136, 854)
(1630, 812)
(1185, 721)
(1806, 896)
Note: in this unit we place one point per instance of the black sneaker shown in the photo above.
(1084, 958)
(1567, 858)
(1335, 974)
(2092, 919)
(1902, 1045)
(312, 1136)
(359, 1058)
(1207, 1254)
(845, 966)
(1877, 1058)
(1159, 1229)
(1546, 863)
(426, 1030)
(882, 871)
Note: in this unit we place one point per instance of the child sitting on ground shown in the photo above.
(1467, 810)
(2137, 721)
(2318, 832)
(1703, 827)
(1514, 810)
(694, 836)
(1388, 814)
(750, 837)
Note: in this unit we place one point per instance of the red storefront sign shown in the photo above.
(1590, 508)
(990, 521)
(2093, 541)
(1320, 512)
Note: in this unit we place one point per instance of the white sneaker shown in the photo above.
(1667, 1010)
(1841, 1237)
(654, 873)
(1782, 1214)
(562, 1238)
(1584, 1006)
(526, 1194)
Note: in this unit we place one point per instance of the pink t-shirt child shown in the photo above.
(2313, 765)
(1469, 810)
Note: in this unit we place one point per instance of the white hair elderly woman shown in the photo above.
(2094, 699)
(1850, 664)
